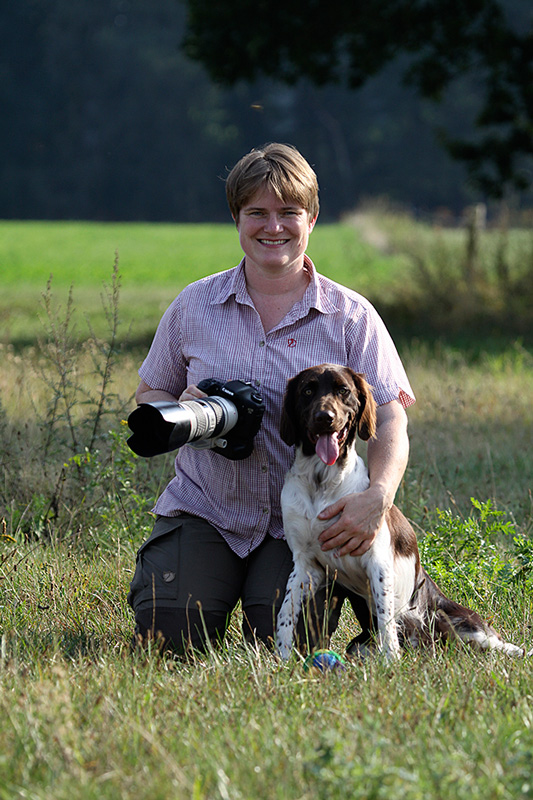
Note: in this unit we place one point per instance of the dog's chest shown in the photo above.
(302, 532)
(310, 487)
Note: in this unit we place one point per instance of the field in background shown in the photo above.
(82, 715)
(155, 262)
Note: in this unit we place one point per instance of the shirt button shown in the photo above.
(264, 468)
(265, 510)
(262, 344)
(257, 383)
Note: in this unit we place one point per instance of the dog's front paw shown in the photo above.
(284, 650)
(284, 642)
(284, 633)
(392, 654)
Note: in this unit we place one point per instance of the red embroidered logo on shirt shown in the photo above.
(291, 342)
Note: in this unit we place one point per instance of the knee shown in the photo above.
(180, 629)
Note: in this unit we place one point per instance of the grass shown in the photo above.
(83, 715)
(158, 254)
(468, 283)
(468, 429)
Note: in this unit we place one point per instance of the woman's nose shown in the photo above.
(273, 223)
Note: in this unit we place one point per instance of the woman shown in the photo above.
(218, 538)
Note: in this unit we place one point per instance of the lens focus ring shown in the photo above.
(207, 417)
(211, 417)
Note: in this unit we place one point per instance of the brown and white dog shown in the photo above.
(324, 408)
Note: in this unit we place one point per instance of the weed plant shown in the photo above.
(65, 462)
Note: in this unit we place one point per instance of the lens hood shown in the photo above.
(152, 425)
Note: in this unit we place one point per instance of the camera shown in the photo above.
(226, 421)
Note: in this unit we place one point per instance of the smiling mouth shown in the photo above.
(273, 242)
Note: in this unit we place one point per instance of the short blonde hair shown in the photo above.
(279, 167)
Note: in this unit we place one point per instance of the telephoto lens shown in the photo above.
(163, 426)
(226, 421)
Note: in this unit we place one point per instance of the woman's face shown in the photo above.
(273, 233)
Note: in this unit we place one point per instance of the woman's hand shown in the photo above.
(361, 517)
(145, 394)
(192, 392)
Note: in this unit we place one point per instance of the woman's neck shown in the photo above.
(274, 295)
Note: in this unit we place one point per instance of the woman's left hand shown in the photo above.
(361, 516)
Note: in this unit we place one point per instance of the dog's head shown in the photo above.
(323, 409)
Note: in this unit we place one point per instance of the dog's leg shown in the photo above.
(381, 578)
(288, 615)
(303, 582)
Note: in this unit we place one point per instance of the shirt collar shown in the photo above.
(315, 295)
(234, 284)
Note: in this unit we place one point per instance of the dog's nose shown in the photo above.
(324, 417)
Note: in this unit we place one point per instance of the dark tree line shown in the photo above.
(104, 116)
(344, 42)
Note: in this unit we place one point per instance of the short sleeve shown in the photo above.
(164, 367)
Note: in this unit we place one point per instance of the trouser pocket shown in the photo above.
(155, 577)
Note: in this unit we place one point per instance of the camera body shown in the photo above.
(226, 421)
(250, 409)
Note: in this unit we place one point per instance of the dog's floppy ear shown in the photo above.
(287, 428)
(366, 422)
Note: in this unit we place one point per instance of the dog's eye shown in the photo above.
(307, 391)
(343, 391)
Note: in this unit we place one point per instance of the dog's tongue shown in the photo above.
(327, 448)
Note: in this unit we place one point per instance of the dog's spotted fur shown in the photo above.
(324, 408)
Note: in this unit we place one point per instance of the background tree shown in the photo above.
(105, 117)
(433, 42)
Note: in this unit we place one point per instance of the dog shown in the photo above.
(324, 408)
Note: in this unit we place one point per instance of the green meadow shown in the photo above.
(155, 262)
(84, 715)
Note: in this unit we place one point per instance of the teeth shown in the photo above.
(273, 241)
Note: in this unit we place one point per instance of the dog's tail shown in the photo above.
(449, 620)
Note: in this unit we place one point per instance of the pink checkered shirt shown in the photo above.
(213, 330)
